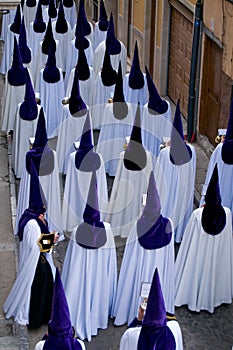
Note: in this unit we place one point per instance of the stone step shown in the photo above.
(9, 343)
(8, 328)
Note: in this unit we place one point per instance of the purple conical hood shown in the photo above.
(180, 153)
(52, 11)
(23, 48)
(103, 18)
(51, 73)
(91, 233)
(28, 108)
(112, 44)
(41, 155)
(68, 3)
(227, 147)
(15, 26)
(120, 107)
(39, 26)
(154, 333)
(108, 74)
(154, 231)
(61, 23)
(135, 157)
(82, 65)
(156, 103)
(136, 78)
(37, 201)
(82, 19)
(44, 2)
(77, 106)
(79, 35)
(213, 216)
(31, 3)
(48, 38)
(16, 75)
(86, 159)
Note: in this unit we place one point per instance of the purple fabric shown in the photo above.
(48, 38)
(154, 333)
(51, 73)
(135, 158)
(79, 35)
(36, 206)
(91, 233)
(180, 153)
(31, 3)
(61, 23)
(60, 335)
(28, 108)
(82, 65)
(77, 107)
(68, 3)
(154, 231)
(113, 45)
(155, 103)
(82, 19)
(227, 147)
(108, 74)
(16, 75)
(85, 158)
(15, 26)
(25, 51)
(213, 217)
(52, 11)
(39, 26)
(41, 155)
(120, 107)
(136, 78)
(44, 2)
(103, 18)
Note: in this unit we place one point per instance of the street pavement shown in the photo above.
(200, 330)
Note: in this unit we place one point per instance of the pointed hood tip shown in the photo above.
(112, 44)
(61, 25)
(51, 73)
(15, 26)
(103, 18)
(28, 109)
(136, 77)
(77, 106)
(39, 26)
(16, 75)
(155, 103)
(108, 74)
(25, 51)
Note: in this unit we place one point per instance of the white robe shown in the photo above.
(51, 188)
(125, 203)
(115, 59)
(34, 40)
(7, 52)
(7, 19)
(89, 277)
(129, 339)
(24, 129)
(112, 136)
(64, 43)
(71, 14)
(18, 301)
(98, 35)
(154, 128)
(138, 266)
(51, 95)
(40, 345)
(12, 96)
(175, 184)
(204, 266)
(29, 14)
(135, 95)
(76, 192)
(70, 131)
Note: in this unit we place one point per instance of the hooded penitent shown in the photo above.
(23, 47)
(155, 334)
(28, 108)
(77, 107)
(155, 104)
(112, 44)
(180, 152)
(103, 18)
(79, 35)
(213, 218)
(37, 204)
(154, 231)
(16, 75)
(31, 3)
(60, 335)
(91, 233)
(135, 155)
(51, 73)
(52, 11)
(15, 26)
(136, 78)
(86, 159)
(108, 74)
(82, 19)
(39, 26)
(82, 65)
(120, 107)
(61, 23)
(48, 39)
(41, 154)
(227, 147)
